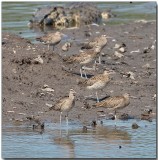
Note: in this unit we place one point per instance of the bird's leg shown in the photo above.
(67, 121)
(81, 72)
(95, 66)
(115, 118)
(99, 59)
(85, 74)
(53, 48)
(97, 96)
(115, 115)
(60, 118)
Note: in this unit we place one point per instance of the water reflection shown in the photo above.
(76, 142)
(110, 134)
(100, 134)
(67, 143)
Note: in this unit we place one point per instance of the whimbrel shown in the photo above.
(97, 41)
(51, 39)
(65, 104)
(115, 103)
(84, 58)
(97, 82)
(100, 41)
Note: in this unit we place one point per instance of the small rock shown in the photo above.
(147, 50)
(84, 129)
(48, 89)
(131, 75)
(45, 86)
(152, 47)
(10, 111)
(101, 122)
(3, 42)
(87, 33)
(49, 105)
(105, 15)
(117, 46)
(66, 46)
(122, 49)
(124, 116)
(141, 21)
(94, 123)
(120, 147)
(38, 60)
(14, 51)
(154, 97)
(135, 51)
(22, 113)
(14, 70)
(147, 66)
(111, 117)
(118, 54)
(135, 126)
(146, 115)
(97, 32)
(103, 54)
(86, 105)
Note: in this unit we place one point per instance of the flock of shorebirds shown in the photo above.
(98, 82)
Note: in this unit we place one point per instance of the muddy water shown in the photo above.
(106, 141)
(16, 15)
(103, 142)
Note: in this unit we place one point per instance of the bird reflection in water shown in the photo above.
(65, 142)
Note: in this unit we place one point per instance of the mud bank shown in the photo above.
(23, 78)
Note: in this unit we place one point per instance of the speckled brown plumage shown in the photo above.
(97, 41)
(50, 39)
(84, 57)
(97, 82)
(117, 102)
(65, 104)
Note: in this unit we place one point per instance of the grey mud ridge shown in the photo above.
(24, 80)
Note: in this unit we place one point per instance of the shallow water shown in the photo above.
(103, 142)
(72, 142)
(16, 15)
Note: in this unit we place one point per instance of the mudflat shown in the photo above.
(30, 87)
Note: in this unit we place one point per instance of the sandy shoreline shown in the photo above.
(22, 80)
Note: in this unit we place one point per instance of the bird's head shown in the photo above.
(72, 92)
(127, 95)
(97, 49)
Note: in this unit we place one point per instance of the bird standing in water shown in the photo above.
(65, 104)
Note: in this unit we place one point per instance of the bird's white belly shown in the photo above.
(88, 60)
(96, 86)
(67, 106)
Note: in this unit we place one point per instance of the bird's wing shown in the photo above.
(77, 58)
(59, 104)
(55, 39)
(111, 102)
(99, 77)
